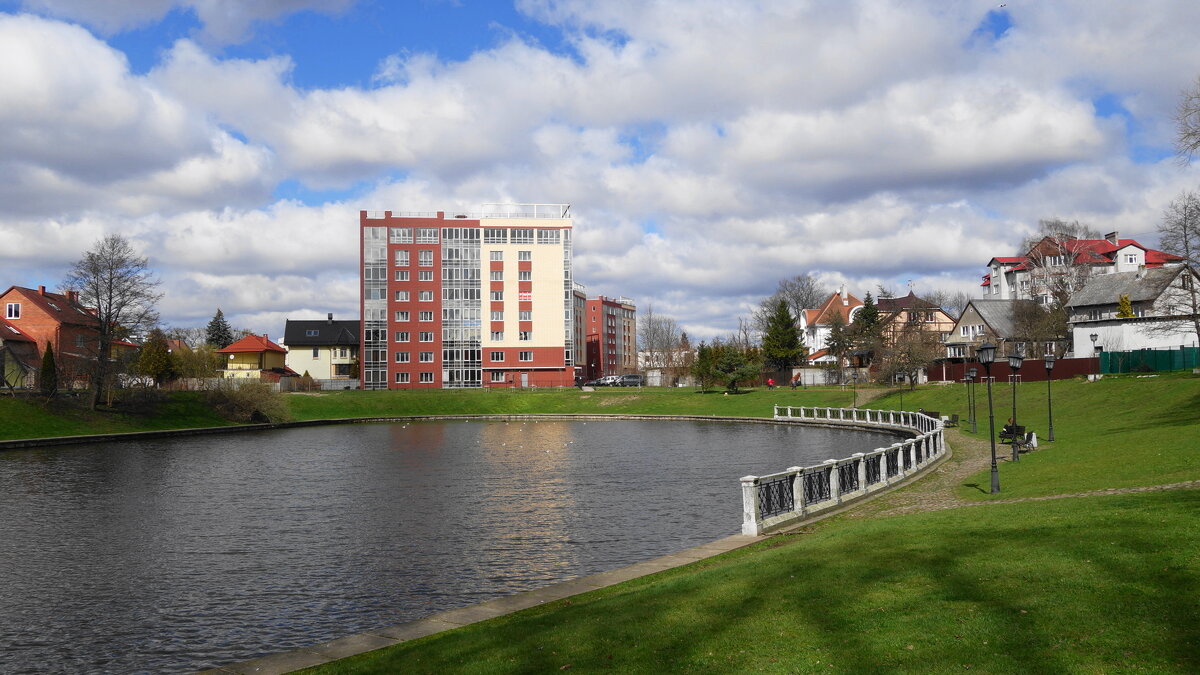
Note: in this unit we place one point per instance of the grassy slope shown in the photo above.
(30, 418)
(1093, 584)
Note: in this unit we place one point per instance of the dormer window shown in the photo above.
(12, 310)
(1131, 258)
(312, 333)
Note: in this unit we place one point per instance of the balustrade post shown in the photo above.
(862, 470)
(798, 490)
(835, 482)
(751, 523)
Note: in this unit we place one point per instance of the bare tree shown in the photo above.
(1179, 233)
(914, 348)
(192, 337)
(659, 337)
(800, 292)
(1056, 269)
(1187, 122)
(951, 302)
(117, 285)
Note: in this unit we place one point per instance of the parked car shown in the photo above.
(599, 382)
(631, 380)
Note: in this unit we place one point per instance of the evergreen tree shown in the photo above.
(866, 330)
(781, 345)
(702, 369)
(732, 365)
(155, 360)
(48, 377)
(219, 334)
(1124, 307)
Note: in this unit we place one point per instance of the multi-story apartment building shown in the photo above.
(464, 300)
(611, 329)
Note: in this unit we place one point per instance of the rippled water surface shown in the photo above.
(171, 556)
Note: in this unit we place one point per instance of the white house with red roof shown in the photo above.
(1012, 277)
(816, 324)
(254, 356)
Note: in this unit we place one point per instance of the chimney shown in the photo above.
(1112, 238)
(842, 291)
(73, 297)
(265, 337)
(330, 319)
(41, 290)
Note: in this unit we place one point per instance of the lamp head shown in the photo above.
(1049, 361)
(1094, 337)
(972, 373)
(987, 353)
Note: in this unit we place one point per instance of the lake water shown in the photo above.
(176, 555)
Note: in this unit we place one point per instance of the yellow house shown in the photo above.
(254, 356)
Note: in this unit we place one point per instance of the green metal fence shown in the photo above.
(1150, 360)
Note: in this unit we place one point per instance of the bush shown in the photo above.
(252, 402)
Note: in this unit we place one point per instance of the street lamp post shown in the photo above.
(1095, 337)
(987, 354)
(1049, 400)
(1014, 361)
(971, 388)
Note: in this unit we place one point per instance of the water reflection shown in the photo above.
(174, 556)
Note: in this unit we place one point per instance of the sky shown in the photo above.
(708, 148)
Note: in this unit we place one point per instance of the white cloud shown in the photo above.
(224, 21)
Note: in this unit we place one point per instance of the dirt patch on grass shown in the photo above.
(614, 400)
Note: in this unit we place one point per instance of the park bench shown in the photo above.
(1007, 433)
(951, 421)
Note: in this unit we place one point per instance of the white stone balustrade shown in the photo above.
(876, 470)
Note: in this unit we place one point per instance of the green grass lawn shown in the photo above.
(1094, 585)
(1117, 432)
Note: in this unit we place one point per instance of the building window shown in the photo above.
(402, 378)
(425, 258)
(426, 357)
(496, 275)
(425, 275)
(426, 377)
(497, 376)
(402, 316)
(425, 336)
(525, 335)
(495, 235)
(1131, 258)
(497, 315)
(497, 336)
(1094, 314)
(496, 255)
(547, 236)
(400, 235)
(401, 275)
(525, 356)
(524, 255)
(525, 315)
(402, 357)
(497, 357)
(401, 296)
(425, 296)
(521, 236)
(401, 336)
(497, 296)
(524, 275)
(427, 235)
(402, 258)
(425, 316)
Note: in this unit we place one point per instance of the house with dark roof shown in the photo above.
(989, 320)
(325, 349)
(906, 312)
(254, 356)
(1019, 277)
(1164, 303)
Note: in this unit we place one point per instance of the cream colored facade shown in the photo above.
(251, 364)
(321, 362)
(551, 284)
